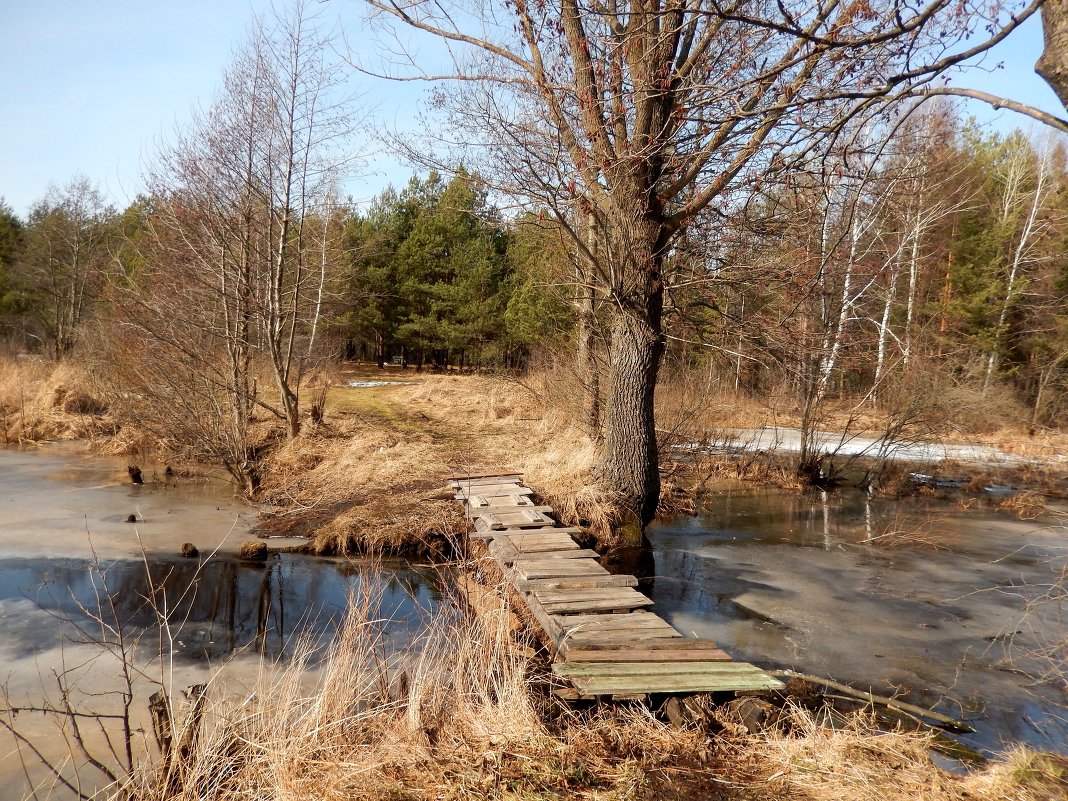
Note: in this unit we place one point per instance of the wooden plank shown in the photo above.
(523, 518)
(594, 604)
(672, 649)
(539, 540)
(631, 620)
(591, 636)
(542, 532)
(572, 654)
(655, 669)
(494, 509)
(561, 583)
(574, 553)
(480, 501)
(507, 555)
(472, 484)
(556, 568)
(535, 543)
(491, 472)
(652, 677)
(551, 596)
(493, 490)
(742, 681)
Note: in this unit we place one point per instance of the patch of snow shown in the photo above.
(789, 440)
(372, 384)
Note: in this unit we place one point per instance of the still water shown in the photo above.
(958, 609)
(71, 565)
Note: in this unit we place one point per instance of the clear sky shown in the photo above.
(90, 86)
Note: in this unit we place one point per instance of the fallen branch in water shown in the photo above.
(880, 700)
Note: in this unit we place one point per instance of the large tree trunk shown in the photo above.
(629, 463)
(1053, 64)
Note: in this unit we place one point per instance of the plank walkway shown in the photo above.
(607, 641)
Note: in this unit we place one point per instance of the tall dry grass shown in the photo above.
(363, 722)
(463, 714)
(859, 760)
(43, 400)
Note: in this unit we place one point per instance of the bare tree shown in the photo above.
(242, 226)
(65, 260)
(645, 116)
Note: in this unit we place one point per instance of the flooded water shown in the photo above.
(69, 560)
(955, 609)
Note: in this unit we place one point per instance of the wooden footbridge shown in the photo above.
(607, 640)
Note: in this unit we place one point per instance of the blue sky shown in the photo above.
(91, 86)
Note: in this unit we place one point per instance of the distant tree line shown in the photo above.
(939, 247)
(433, 276)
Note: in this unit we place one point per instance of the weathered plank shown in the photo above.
(511, 555)
(489, 472)
(660, 676)
(509, 509)
(544, 539)
(607, 604)
(519, 518)
(556, 568)
(589, 636)
(543, 532)
(574, 582)
(750, 679)
(631, 620)
(674, 649)
(549, 596)
(645, 655)
(492, 490)
(581, 670)
(481, 501)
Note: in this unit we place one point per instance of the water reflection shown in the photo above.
(214, 609)
(916, 596)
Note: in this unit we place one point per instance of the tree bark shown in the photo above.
(629, 463)
(1052, 65)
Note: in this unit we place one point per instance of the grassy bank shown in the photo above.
(466, 713)
(368, 476)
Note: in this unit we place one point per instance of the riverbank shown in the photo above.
(472, 716)
(465, 714)
(366, 477)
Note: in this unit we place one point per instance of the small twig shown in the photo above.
(23, 740)
(946, 722)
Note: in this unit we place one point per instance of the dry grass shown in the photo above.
(457, 715)
(1026, 505)
(861, 761)
(463, 714)
(40, 400)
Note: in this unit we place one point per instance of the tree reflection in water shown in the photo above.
(214, 608)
